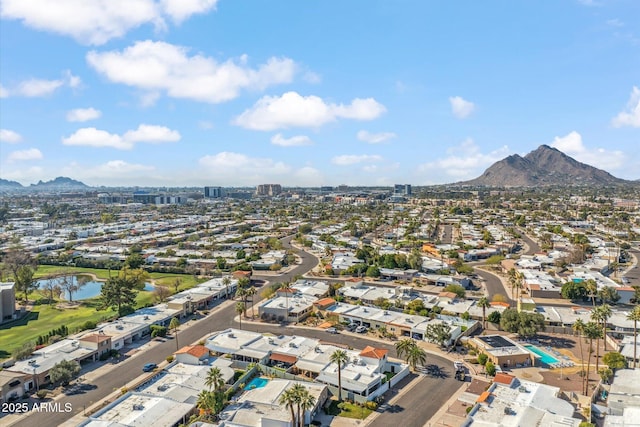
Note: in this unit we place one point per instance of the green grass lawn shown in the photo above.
(42, 319)
(350, 410)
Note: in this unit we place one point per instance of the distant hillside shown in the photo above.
(5, 183)
(546, 166)
(60, 182)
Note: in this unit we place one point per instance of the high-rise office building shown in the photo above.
(402, 189)
(213, 192)
(268, 189)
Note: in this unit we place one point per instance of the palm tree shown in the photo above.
(599, 315)
(578, 326)
(592, 289)
(174, 324)
(339, 357)
(250, 293)
(226, 281)
(288, 398)
(298, 390)
(306, 402)
(591, 331)
(605, 311)
(214, 379)
(411, 352)
(240, 308)
(484, 304)
(512, 275)
(242, 294)
(635, 316)
(206, 402)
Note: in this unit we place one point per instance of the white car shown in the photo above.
(361, 329)
(332, 330)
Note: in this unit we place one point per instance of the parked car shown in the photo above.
(149, 367)
(332, 330)
(361, 329)
(352, 327)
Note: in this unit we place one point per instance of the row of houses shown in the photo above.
(88, 346)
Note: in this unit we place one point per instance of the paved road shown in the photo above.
(532, 247)
(493, 285)
(422, 402)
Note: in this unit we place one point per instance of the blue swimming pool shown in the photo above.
(257, 382)
(545, 357)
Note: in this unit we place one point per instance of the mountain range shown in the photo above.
(59, 183)
(545, 166)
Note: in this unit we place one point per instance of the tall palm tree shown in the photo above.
(484, 304)
(592, 289)
(339, 357)
(251, 292)
(214, 379)
(512, 275)
(226, 281)
(605, 311)
(635, 316)
(240, 308)
(242, 294)
(598, 315)
(174, 324)
(578, 327)
(298, 390)
(307, 401)
(289, 399)
(403, 346)
(591, 331)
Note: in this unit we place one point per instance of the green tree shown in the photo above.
(615, 360)
(306, 401)
(24, 281)
(62, 372)
(289, 399)
(608, 294)
(490, 369)
(117, 293)
(494, 317)
(382, 302)
(214, 379)
(482, 359)
(25, 351)
(573, 291)
(456, 289)
(524, 324)
(605, 374)
(373, 271)
(339, 357)
(134, 261)
(438, 333)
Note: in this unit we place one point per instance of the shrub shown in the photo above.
(490, 368)
(371, 405)
(469, 408)
(169, 359)
(482, 359)
(42, 394)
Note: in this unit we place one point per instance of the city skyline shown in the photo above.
(174, 93)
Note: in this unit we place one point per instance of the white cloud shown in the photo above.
(151, 134)
(179, 10)
(95, 22)
(631, 115)
(205, 125)
(311, 77)
(460, 107)
(157, 67)
(464, 161)
(293, 110)
(37, 87)
(352, 159)
(83, 114)
(119, 167)
(375, 138)
(29, 154)
(572, 145)
(589, 2)
(92, 137)
(112, 172)
(33, 88)
(294, 141)
(10, 136)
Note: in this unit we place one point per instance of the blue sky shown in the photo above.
(325, 92)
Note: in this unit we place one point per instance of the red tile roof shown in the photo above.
(483, 397)
(283, 358)
(374, 353)
(194, 350)
(503, 378)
